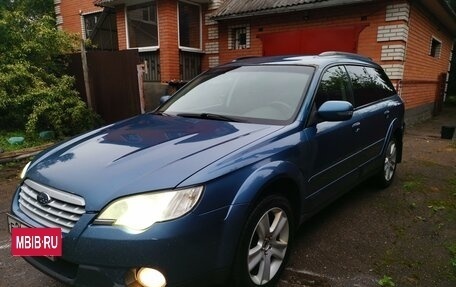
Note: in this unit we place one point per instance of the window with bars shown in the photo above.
(239, 37)
(436, 47)
(190, 65)
(152, 66)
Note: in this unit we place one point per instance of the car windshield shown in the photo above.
(259, 94)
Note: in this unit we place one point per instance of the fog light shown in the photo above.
(149, 277)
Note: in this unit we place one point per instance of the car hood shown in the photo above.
(145, 153)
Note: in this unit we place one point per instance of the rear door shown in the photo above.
(370, 88)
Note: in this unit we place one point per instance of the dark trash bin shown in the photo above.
(447, 132)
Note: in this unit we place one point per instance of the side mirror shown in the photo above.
(335, 111)
(164, 99)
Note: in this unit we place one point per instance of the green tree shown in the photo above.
(31, 8)
(35, 93)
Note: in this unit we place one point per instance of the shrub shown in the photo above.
(35, 94)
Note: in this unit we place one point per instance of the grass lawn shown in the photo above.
(28, 142)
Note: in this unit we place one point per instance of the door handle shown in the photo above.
(356, 127)
(387, 114)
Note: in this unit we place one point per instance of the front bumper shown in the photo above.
(185, 250)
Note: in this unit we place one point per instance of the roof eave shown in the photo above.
(443, 12)
(288, 9)
(113, 3)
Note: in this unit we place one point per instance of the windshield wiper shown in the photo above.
(161, 113)
(208, 116)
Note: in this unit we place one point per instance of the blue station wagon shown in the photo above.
(212, 185)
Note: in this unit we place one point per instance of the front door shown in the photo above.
(334, 145)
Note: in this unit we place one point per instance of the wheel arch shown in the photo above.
(396, 130)
(282, 177)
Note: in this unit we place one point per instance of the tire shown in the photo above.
(265, 243)
(386, 175)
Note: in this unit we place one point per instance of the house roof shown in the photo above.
(102, 2)
(111, 3)
(443, 12)
(231, 9)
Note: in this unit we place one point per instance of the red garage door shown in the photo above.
(312, 40)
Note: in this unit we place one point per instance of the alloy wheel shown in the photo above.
(268, 246)
(390, 161)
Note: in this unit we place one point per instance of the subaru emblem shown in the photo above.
(43, 198)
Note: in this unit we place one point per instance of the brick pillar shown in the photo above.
(168, 40)
(394, 36)
(211, 42)
(121, 27)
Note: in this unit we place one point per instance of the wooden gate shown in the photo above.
(113, 82)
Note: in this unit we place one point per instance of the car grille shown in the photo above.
(63, 209)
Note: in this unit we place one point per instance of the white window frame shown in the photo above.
(141, 49)
(231, 39)
(83, 27)
(185, 48)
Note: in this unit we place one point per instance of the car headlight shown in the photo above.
(139, 212)
(24, 170)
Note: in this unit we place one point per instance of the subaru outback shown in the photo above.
(212, 185)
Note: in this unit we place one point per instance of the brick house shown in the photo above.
(412, 40)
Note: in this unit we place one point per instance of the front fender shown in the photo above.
(253, 186)
(249, 192)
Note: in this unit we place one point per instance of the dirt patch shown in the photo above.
(421, 210)
(9, 176)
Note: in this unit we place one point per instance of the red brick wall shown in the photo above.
(372, 14)
(121, 27)
(421, 69)
(71, 13)
(168, 39)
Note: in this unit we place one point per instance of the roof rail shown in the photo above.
(345, 54)
(244, 58)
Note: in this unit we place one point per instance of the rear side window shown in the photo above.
(369, 85)
(334, 86)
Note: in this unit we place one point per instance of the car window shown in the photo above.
(369, 85)
(264, 94)
(334, 86)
